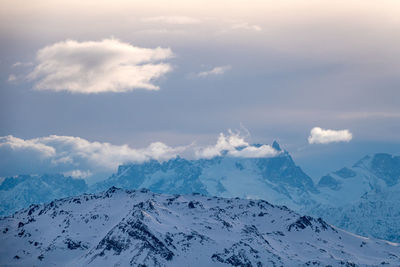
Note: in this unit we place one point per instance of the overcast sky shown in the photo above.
(321, 77)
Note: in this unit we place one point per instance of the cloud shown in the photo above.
(22, 64)
(235, 145)
(96, 67)
(323, 136)
(78, 174)
(68, 154)
(17, 144)
(172, 20)
(78, 157)
(246, 26)
(254, 152)
(215, 71)
(12, 78)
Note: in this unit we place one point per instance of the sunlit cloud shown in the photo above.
(97, 67)
(325, 136)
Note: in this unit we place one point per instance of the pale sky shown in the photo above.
(182, 72)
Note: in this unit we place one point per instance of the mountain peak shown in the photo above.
(139, 228)
(276, 146)
(384, 166)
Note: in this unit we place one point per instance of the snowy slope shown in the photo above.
(364, 199)
(123, 228)
(19, 192)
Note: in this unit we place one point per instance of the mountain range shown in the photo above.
(362, 198)
(141, 228)
(19, 192)
(276, 179)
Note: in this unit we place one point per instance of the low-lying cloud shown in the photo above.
(325, 136)
(97, 67)
(74, 155)
(78, 157)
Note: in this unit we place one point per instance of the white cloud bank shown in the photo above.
(324, 136)
(96, 67)
(172, 20)
(215, 71)
(78, 157)
(75, 151)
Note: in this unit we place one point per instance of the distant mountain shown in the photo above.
(19, 192)
(364, 199)
(276, 179)
(140, 228)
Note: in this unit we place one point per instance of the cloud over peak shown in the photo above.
(96, 67)
(235, 146)
(78, 157)
(326, 136)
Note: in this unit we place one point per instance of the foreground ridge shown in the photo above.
(133, 228)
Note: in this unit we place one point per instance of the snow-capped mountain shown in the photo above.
(364, 198)
(19, 192)
(276, 179)
(140, 228)
(372, 174)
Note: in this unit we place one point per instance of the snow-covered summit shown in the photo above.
(137, 228)
(363, 198)
(372, 174)
(274, 178)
